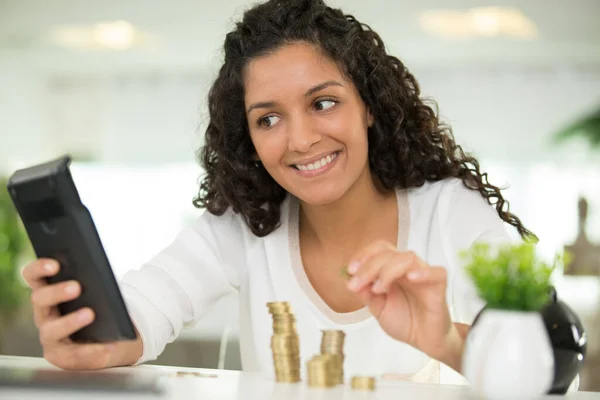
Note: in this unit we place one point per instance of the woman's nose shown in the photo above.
(302, 134)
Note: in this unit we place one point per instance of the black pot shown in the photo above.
(568, 339)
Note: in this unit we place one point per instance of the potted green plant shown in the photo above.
(508, 354)
(14, 250)
(587, 127)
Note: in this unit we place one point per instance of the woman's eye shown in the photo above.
(268, 121)
(323, 105)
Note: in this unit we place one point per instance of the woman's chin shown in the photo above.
(320, 198)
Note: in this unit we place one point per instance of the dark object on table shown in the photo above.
(568, 339)
(55, 379)
(61, 227)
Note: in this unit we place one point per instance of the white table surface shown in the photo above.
(234, 385)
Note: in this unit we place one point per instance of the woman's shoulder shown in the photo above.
(431, 191)
(228, 220)
(230, 223)
(451, 200)
(464, 213)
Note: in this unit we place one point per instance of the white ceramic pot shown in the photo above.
(508, 355)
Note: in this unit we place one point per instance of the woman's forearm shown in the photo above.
(453, 351)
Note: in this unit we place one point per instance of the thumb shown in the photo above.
(375, 302)
(365, 295)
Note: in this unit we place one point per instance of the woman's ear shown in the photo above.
(370, 118)
(256, 160)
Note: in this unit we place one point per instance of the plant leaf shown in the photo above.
(511, 277)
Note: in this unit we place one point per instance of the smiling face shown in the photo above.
(308, 123)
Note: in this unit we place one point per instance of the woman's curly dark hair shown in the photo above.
(408, 145)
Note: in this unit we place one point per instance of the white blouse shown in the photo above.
(218, 254)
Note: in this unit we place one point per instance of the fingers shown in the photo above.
(52, 295)
(36, 272)
(429, 275)
(46, 298)
(367, 252)
(54, 329)
(35, 275)
(61, 328)
(403, 265)
(388, 265)
(379, 271)
(376, 302)
(368, 271)
(365, 295)
(391, 275)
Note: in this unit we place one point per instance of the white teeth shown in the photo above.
(317, 164)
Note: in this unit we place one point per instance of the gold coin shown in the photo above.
(332, 341)
(321, 371)
(279, 307)
(345, 273)
(278, 304)
(285, 343)
(332, 344)
(284, 338)
(363, 383)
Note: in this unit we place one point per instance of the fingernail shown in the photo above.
(71, 288)
(377, 287)
(353, 267)
(354, 284)
(85, 315)
(50, 267)
(414, 275)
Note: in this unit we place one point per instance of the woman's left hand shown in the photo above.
(407, 296)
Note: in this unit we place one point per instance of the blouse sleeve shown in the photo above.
(467, 219)
(184, 280)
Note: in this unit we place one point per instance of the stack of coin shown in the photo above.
(332, 343)
(363, 383)
(321, 371)
(285, 344)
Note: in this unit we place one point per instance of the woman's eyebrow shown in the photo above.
(311, 91)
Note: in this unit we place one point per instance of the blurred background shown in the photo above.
(121, 85)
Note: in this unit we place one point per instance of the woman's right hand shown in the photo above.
(55, 329)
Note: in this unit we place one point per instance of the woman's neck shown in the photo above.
(360, 216)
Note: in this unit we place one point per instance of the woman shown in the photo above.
(319, 154)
